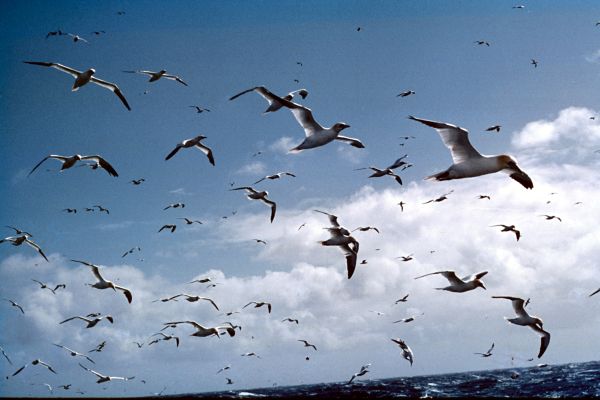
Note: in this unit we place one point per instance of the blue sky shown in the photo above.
(221, 48)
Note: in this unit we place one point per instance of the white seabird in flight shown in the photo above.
(524, 319)
(363, 370)
(406, 351)
(90, 322)
(74, 353)
(34, 362)
(103, 283)
(468, 162)
(194, 142)
(487, 353)
(274, 103)
(68, 162)
(202, 331)
(253, 194)
(275, 176)
(82, 78)
(317, 135)
(154, 76)
(19, 240)
(105, 378)
(457, 284)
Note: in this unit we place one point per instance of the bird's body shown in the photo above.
(163, 337)
(83, 78)
(74, 353)
(468, 162)
(342, 238)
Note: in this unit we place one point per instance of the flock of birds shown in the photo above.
(467, 163)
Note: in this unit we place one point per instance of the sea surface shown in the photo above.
(552, 381)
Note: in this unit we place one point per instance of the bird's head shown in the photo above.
(340, 126)
(480, 284)
(91, 71)
(508, 162)
(201, 137)
(112, 285)
(162, 71)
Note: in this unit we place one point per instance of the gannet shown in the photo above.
(168, 226)
(105, 378)
(439, 199)
(201, 280)
(550, 217)
(468, 162)
(154, 76)
(199, 109)
(482, 42)
(137, 181)
(524, 319)
(288, 319)
(103, 283)
(402, 300)
(509, 228)
(74, 353)
(174, 205)
(457, 284)
(90, 322)
(5, 355)
(407, 258)
(15, 304)
(19, 240)
(258, 304)
(484, 196)
(363, 370)
(130, 251)
(405, 93)
(194, 142)
(317, 135)
(77, 38)
(251, 354)
(306, 344)
(274, 103)
(99, 347)
(192, 299)
(45, 286)
(82, 78)
(366, 228)
(138, 344)
(406, 351)
(68, 162)
(202, 331)
(253, 194)
(34, 362)
(190, 222)
(494, 128)
(342, 238)
(102, 209)
(388, 171)
(534, 62)
(164, 337)
(225, 368)
(487, 353)
(275, 176)
(70, 210)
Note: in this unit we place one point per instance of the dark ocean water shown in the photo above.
(568, 380)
